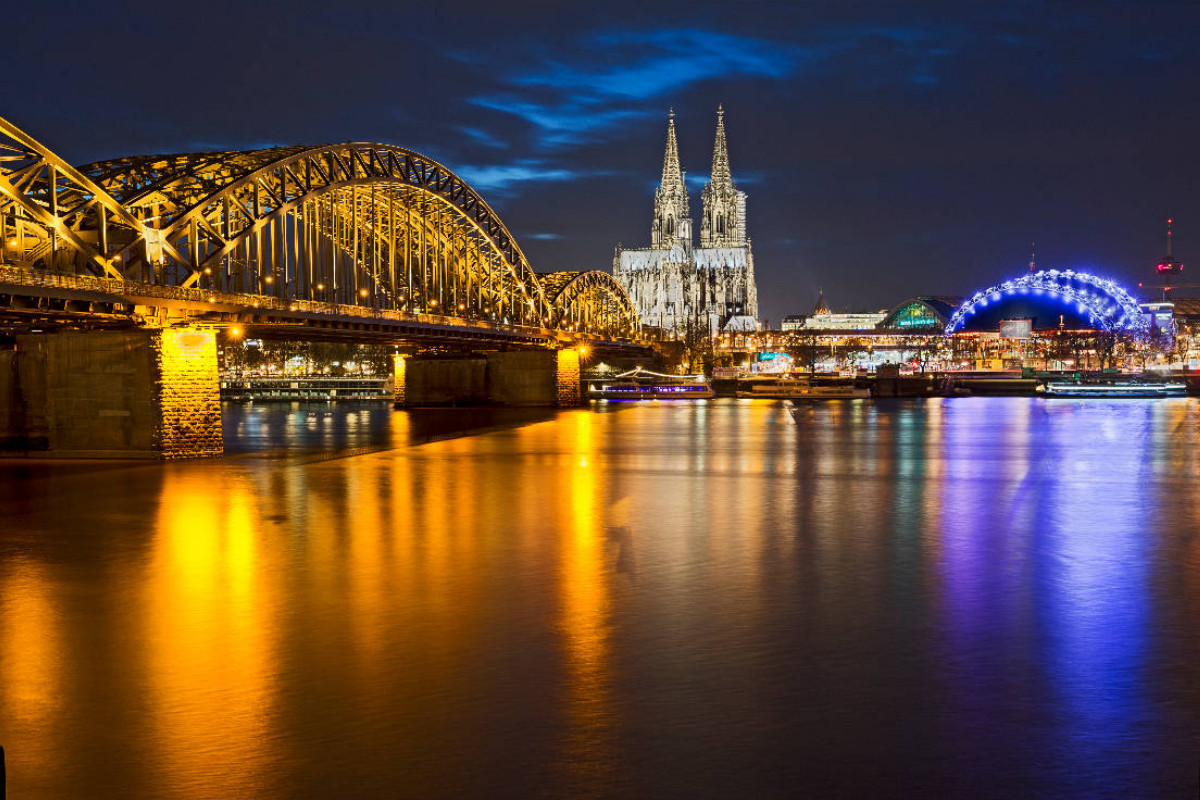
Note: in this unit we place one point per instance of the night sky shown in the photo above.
(887, 150)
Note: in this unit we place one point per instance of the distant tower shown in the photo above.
(822, 310)
(1033, 256)
(1168, 266)
(672, 220)
(723, 223)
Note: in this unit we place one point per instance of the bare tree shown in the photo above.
(1161, 343)
(1109, 347)
(697, 344)
(805, 349)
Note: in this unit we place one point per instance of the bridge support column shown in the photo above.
(120, 394)
(567, 366)
(503, 378)
(187, 393)
(399, 380)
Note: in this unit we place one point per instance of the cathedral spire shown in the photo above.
(676, 286)
(672, 174)
(672, 221)
(722, 178)
(723, 223)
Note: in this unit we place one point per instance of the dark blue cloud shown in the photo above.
(608, 79)
(504, 179)
(482, 137)
(652, 64)
(580, 91)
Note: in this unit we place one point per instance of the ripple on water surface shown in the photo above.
(965, 598)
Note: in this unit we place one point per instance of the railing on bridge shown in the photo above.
(348, 226)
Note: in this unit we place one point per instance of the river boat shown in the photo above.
(640, 384)
(801, 389)
(1114, 389)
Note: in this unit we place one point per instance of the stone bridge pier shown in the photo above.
(502, 378)
(154, 392)
(141, 393)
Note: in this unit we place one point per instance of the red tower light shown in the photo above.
(1168, 266)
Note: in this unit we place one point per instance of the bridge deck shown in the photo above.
(34, 297)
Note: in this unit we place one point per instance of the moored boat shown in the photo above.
(1113, 389)
(802, 389)
(640, 384)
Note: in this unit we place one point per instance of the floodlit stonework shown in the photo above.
(674, 284)
(139, 393)
(187, 393)
(567, 378)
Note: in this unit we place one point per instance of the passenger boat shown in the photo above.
(800, 389)
(640, 384)
(1114, 389)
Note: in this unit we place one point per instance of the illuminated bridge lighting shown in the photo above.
(1101, 301)
(357, 229)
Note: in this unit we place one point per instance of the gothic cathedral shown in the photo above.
(676, 285)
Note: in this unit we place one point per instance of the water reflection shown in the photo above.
(1096, 584)
(210, 604)
(31, 668)
(948, 598)
(586, 618)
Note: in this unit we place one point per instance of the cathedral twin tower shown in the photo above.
(677, 286)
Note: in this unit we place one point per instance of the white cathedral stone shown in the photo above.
(674, 284)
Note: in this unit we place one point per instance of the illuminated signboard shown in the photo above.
(1016, 328)
(772, 362)
(915, 315)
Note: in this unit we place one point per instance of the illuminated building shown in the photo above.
(676, 285)
(1049, 319)
(920, 315)
(792, 322)
(824, 319)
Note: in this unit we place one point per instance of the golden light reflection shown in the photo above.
(30, 662)
(586, 603)
(209, 637)
(367, 565)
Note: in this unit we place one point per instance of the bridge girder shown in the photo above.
(590, 301)
(356, 224)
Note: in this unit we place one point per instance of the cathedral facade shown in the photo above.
(676, 285)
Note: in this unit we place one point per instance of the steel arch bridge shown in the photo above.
(354, 228)
(590, 300)
(1102, 301)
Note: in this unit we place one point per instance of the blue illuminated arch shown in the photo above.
(1103, 302)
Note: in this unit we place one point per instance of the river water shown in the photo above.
(967, 597)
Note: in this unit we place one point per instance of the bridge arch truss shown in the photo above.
(590, 302)
(358, 224)
(1103, 302)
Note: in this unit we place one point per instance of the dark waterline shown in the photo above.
(302, 429)
(946, 598)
